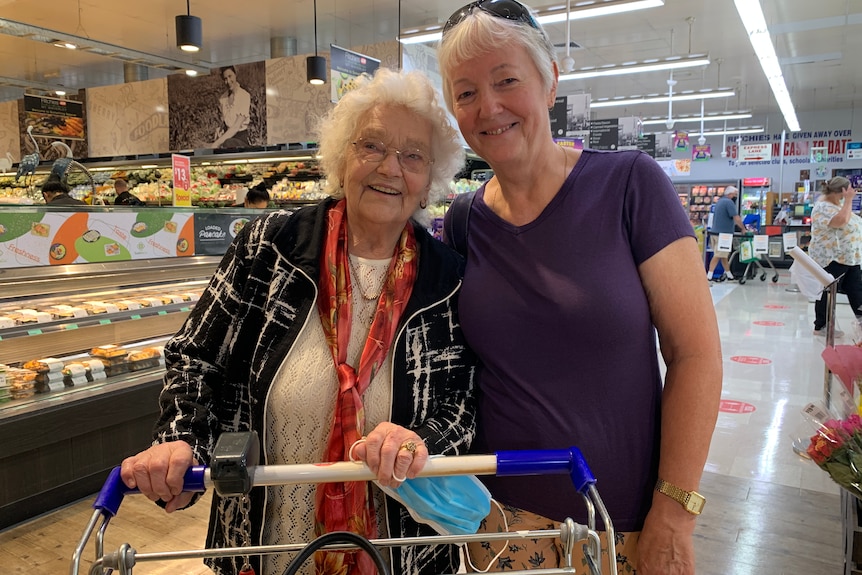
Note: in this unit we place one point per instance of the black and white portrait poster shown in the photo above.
(225, 109)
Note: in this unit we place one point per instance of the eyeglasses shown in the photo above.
(508, 9)
(375, 151)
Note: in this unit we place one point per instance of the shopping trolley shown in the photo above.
(236, 475)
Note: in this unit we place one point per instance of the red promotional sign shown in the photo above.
(733, 406)
(750, 359)
(182, 179)
(769, 323)
(755, 182)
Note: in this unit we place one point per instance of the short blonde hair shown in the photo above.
(411, 90)
(480, 32)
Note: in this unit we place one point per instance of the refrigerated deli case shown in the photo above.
(81, 344)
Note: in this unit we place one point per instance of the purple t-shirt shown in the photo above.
(557, 313)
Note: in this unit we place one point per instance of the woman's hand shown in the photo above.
(158, 473)
(393, 453)
(848, 193)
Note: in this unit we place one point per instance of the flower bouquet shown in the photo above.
(837, 449)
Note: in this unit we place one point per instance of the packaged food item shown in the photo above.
(22, 382)
(44, 365)
(115, 365)
(127, 304)
(108, 351)
(6, 322)
(95, 369)
(74, 374)
(143, 359)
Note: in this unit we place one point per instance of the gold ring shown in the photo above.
(409, 446)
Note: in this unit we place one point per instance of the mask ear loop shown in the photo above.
(502, 549)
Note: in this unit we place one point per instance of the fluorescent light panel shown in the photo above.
(672, 63)
(752, 18)
(733, 132)
(555, 14)
(713, 118)
(663, 98)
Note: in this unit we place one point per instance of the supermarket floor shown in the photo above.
(768, 510)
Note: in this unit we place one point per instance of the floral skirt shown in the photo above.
(546, 553)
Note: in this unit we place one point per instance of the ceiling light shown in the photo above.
(593, 9)
(720, 132)
(660, 98)
(752, 18)
(67, 45)
(47, 36)
(315, 66)
(189, 31)
(713, 118)
(191, 73)
(60, 92)
(672, 63)
(555, 14)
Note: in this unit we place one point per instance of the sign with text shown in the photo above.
(701, 153)
(755, 152)
(54, 118)
(29, 239)
(854, 150)
(344, 67)
(215, 232)
(182, 180)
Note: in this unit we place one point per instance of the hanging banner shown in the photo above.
(54, 118)
(680, 140)
(701, 153)
(344, 67)
(182, 180)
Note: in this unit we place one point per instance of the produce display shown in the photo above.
(215, 185)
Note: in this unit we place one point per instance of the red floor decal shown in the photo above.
(750, 359)
(733, 406)
(769, 323)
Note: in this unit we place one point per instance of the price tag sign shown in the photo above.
(761, 244)
(725, 242)
(182, 180)
(789, 240)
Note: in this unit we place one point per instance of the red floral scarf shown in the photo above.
(348, 506)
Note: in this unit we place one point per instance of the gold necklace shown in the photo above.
(355, 281)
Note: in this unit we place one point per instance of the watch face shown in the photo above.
(695, 504)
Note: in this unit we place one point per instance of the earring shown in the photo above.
(423, 204)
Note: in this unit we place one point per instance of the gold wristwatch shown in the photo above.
(691, 501)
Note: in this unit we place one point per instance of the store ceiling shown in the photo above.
(819, 43)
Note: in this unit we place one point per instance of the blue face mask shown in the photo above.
(451, 504)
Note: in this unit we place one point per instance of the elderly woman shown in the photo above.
(574, 260)
(836, 244)
(344, 307)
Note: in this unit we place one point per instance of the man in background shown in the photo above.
(124, 197)
(725, 220)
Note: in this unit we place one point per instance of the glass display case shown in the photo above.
(80, 410)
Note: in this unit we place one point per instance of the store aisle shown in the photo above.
(768, 510)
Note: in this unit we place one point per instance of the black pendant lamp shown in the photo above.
(315, 66)
(189, 31)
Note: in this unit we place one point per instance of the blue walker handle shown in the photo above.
(111, 495)
(547, 461)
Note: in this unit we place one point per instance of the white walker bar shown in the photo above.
(234, 472)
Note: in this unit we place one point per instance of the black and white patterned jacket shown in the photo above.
(222, 361)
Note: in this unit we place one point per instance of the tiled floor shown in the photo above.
(769, 510)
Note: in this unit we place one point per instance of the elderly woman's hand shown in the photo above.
(393, 453)
(158, 473)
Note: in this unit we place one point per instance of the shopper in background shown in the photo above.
(124, 196)
(256, 197)
(55, 192)
(349, 294)
(235, 108)
(574, 260)
(836, 245)
(725, 220)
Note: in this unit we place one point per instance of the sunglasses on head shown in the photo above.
(508, 9)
